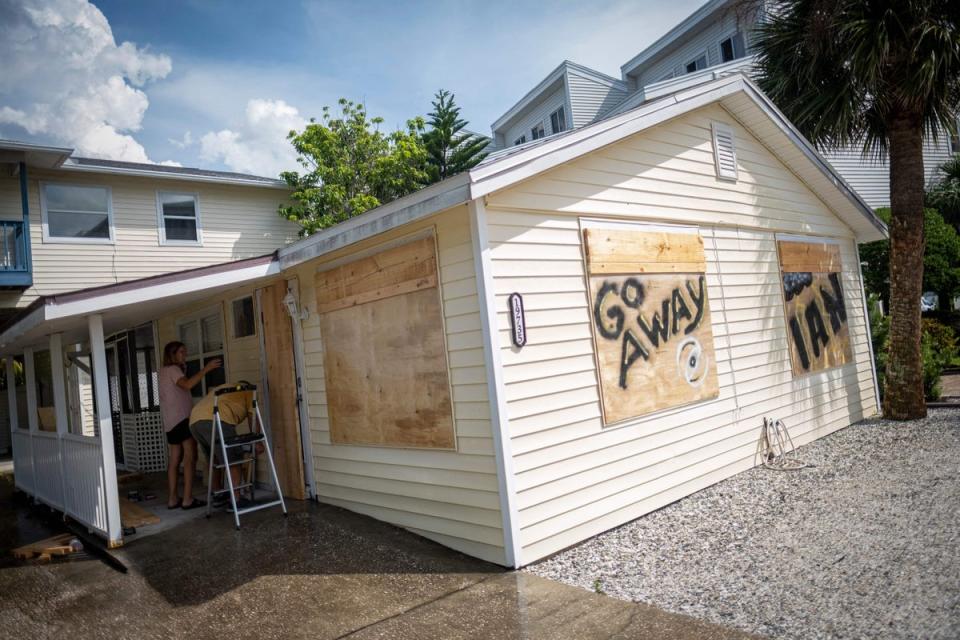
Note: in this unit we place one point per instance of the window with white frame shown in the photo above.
(698, 63)
(558, 121)
(732, 48)
(203, 337)
(76, 213)
(244, 319)
(520, 140)
(537, 131)
(179, 217)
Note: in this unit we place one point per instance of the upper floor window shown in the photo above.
(520, 140)
(537, 131)
(732, 48)
(558, 121)
(75, 213)
(700, 62)
(179, 218)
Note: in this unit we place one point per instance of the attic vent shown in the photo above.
(724, 153)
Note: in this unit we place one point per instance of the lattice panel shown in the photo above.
(144, 442)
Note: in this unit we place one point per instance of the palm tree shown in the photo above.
(878, 73)
(450, 147)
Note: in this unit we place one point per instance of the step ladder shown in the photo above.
(249, 440)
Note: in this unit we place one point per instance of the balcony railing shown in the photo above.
(15, 268)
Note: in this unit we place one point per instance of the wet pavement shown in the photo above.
(320, 573)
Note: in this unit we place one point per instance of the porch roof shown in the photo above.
(127, 303)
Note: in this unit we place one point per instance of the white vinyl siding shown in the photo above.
(238, 222)
(590, 99)
(449, 496)
(705, 40)
(575, 478)
(870, 177)
(538, 114)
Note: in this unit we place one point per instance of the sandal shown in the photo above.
(193, 505)
(176, 506)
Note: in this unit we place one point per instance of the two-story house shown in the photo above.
(712, 42)
(69, 223)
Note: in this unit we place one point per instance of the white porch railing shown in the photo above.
(47, 472)
(22, 461)
(86, 495)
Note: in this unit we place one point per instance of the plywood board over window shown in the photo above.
(385, 360)
(813, 305)
(651, 320)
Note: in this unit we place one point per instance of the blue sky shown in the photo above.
(217, 84)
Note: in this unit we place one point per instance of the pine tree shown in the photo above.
(451, 149)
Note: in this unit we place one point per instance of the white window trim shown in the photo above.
(729, 36)
(703, 54)
(45, 226)
(566, 125)
(256, 317)
(197, 316)
(162, 227)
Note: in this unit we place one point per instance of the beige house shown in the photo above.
(565, 338)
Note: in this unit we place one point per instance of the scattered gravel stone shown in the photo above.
(866, 544)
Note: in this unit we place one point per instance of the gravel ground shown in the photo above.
(864, 545)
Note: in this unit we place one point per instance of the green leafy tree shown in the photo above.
(941, 260)
(944, 196)
(879, 73)
(450, 148)
(351, 167)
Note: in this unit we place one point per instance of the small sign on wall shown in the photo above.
(518, 324)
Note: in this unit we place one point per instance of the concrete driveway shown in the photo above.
(320, 573)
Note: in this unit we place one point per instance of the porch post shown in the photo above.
(12, 396)
(30, 380)
(59, 406)
(98, 357)
(30, 376)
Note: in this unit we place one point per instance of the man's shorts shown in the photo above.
(203, 433)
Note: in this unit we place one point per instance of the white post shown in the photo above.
(30, 375)
(59, 407)
(12, 396)
(98, 357)
(293, 287)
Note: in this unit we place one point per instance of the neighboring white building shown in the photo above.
(713, 42)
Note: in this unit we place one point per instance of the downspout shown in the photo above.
(25, 206)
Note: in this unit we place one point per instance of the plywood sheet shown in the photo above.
(409, 267)
(808, 257)
(386, 373)
(654, 342)
(633, 252)
(281, 383)
(816, 321)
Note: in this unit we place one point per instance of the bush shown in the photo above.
(938, 348)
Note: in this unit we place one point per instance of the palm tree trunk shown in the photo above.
(903, 395)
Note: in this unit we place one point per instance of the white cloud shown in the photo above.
(259, 144)
(184, 142)
(65, 78)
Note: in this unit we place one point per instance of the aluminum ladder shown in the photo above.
(257, 435)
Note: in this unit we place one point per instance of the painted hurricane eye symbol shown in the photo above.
(692, 362)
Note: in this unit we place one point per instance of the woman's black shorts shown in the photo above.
(180, 432)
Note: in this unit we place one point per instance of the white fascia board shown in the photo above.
(502, 173)
(529, 97)
(165, 175)
(671, 36)
(107, 301)
(426, 202)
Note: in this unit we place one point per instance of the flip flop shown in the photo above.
(193, 505)
(176, 506)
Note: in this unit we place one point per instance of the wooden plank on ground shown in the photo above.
(633, 252)
(58, 545)
(133, 515)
